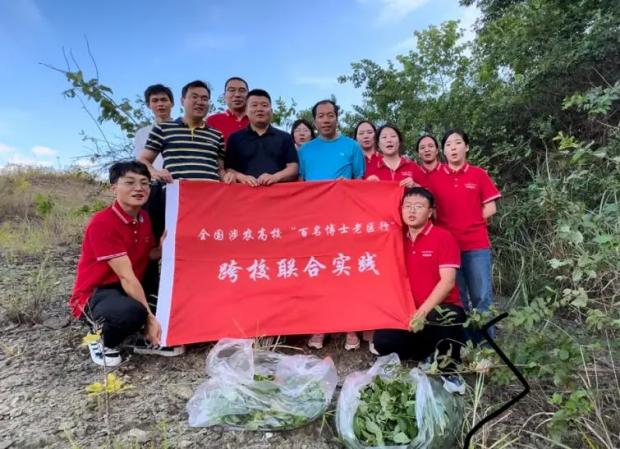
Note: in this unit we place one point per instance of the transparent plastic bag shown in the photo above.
(438, 413)
(261, 390)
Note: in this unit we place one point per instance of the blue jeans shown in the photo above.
(475, 282)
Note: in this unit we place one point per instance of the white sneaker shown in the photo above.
(103, 356)
(372, 349)
(453, 383)
(316, 341)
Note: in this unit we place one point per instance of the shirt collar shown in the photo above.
(180, 122)
(425, 231)
(426, 170)
(269, 130)
(230, 114)
(124, 216)
(372, 156)
(449, 170)
(403, 160)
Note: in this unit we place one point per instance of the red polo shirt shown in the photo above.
(406, 169)
(459, 197)
(110, 233)
(432, 172)
(227, 123)
(373, 158)
(432, 249)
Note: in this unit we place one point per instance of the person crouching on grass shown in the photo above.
(432, 257)
(118, 244)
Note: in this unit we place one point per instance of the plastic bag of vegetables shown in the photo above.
(391, 407)
(261, 390)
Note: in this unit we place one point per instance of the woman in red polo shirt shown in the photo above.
(365, 133)
(465, 197)
(392, 166)
(428, 152)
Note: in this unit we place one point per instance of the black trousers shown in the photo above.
(156, 208)
(441, 333)
(118, 315)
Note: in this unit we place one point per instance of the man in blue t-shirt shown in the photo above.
(331, 155)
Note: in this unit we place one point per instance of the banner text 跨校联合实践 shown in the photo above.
(292, 258)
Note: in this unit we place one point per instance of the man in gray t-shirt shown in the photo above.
(159, 100)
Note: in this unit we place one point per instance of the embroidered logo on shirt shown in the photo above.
(427, 253)
(471, 185)
(407, 173)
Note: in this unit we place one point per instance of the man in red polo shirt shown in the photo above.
(118, 243)
(432, 258)
(234, 118)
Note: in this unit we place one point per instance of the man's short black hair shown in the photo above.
(157, 89)
(235, 78)
(121, 168)
(419, 191)
(332, 102)
(196, 83)
(259, 93)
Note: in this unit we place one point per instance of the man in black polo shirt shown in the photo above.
(260, 154)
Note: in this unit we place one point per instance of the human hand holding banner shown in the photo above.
(292, 258)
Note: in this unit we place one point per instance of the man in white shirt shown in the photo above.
(159, 100)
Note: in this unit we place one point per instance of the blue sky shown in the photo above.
(293, 49)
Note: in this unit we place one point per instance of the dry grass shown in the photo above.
(42, 209)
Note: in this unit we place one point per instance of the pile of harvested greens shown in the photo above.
(261, 390)
(391, 407)
(386, 413)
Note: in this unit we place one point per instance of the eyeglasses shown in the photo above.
(145, 184)
(415, 207)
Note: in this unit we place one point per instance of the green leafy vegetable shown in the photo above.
(386, 412)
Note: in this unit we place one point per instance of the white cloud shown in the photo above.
(317, 81)
(4, 148)
(43, 151)
(84, 162)
(404, 46)
(17, 159)
(395, 10)
(467, 22)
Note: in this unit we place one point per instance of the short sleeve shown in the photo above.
(155, 141)
(488, 190)
(290, 153)
(221, 148)
(139, 141)
(105, 240)
(358, 161)
(418, 175)
(302, 164)
(449, 255)
(231, 159)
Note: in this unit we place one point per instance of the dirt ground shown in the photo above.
(44, 371)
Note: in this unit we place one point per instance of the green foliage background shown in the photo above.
(538, 90)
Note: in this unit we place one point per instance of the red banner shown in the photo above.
(292, 258)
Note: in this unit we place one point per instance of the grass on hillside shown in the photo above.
(42, 216)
